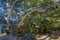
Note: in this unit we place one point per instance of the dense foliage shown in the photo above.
(35, 16)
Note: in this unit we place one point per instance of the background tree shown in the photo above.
(18, 15)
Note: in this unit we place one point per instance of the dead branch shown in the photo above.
(10, 11)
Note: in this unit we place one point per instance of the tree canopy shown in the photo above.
(31, 15)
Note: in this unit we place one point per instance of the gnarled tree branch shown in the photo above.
(10, 11)
(38, 10)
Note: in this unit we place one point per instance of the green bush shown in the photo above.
(46, 26)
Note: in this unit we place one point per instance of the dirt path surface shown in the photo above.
(39, 37)
(54, 36)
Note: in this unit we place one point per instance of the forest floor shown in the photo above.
(53, 36)
(46, 37)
